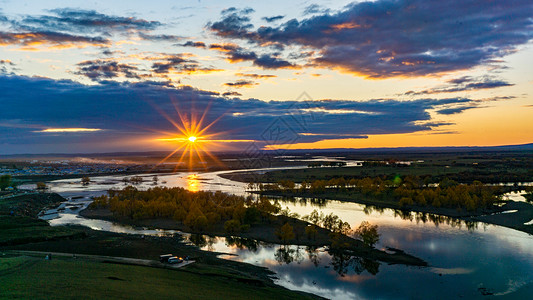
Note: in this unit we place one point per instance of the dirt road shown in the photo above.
(102, 258)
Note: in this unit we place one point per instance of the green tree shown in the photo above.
(5, 182)
(310, 232)
(200, 223)
(368, 233)
(251, 215)
(41, 186)
(85, 180)
(285, 233)
(232, 226)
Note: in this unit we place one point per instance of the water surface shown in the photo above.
(466, 260)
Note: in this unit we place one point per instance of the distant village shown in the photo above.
(62, 167)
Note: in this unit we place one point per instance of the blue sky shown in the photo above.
(106, 76)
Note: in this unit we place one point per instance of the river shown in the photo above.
(475, 261)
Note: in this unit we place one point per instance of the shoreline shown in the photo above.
(496, 216)
(265, 233)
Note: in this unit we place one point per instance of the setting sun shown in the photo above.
(192, 138)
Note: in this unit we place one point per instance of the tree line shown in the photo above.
(405, 190)
(199, 211)
(5, 182)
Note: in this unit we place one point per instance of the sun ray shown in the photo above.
(168, 156)
(193, 138)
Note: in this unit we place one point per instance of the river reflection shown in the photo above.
(418, 217)
(193, 183)
(466, 259)
(339, 261)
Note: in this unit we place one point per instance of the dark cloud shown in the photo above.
(241, 83)
(273, 18)
(5, 66)
(224, 47)
(132, 111)
(77, 20)
(179, 64)
(462, 84)
(98, 70)
(267, 61)
(68, 27)
(385, 38)
(172, 62)
(315, 9)
(455, 110)
(109, 52)
(48, 38)
(256, 76)
(229, 94)
(234, 23)
(235, 54)
(193, 44)
(160, 37)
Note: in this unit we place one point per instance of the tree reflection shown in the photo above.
(426, 217)
(287, 254)
(342, 263)
(403, 214)
(242, 243)
(312, 253)
(369, 209)
(202, 241)
(318, 202)
(284, 254)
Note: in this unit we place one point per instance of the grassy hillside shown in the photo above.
(36, 278)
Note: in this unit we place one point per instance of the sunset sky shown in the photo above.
(103, 76)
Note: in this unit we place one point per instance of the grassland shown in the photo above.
(26, 277)
(19, 223)
(488, 168)
(36, 278)
(20, 230)
(462, 167)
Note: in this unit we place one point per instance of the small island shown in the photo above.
(217, 213)
(471, 202)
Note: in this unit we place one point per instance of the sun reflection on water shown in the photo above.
(193, 183)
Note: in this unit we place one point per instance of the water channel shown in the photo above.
(471, 261)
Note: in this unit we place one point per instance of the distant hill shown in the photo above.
(522, 147)
(503, 148)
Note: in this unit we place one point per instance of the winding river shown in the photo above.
(470, 261)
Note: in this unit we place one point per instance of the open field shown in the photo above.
(19, 225)
(28, 204)
(68, 278)
(88, 277)
(462, 167)
(21, 230)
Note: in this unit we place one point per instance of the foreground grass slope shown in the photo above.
(16, 230)
(36, 278)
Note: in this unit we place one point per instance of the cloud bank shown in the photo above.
(131, 111)
(385, 38)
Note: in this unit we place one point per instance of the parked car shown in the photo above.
(175, 260)
(164, 258)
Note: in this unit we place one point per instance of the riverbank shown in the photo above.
(75, 277)
(24, 231)
(28, 204)
(267, 233)
(511, 214)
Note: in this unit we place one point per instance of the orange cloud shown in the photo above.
(53, 40)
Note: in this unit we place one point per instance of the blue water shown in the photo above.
(479, 261)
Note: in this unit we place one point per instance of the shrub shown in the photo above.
(232, 226)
